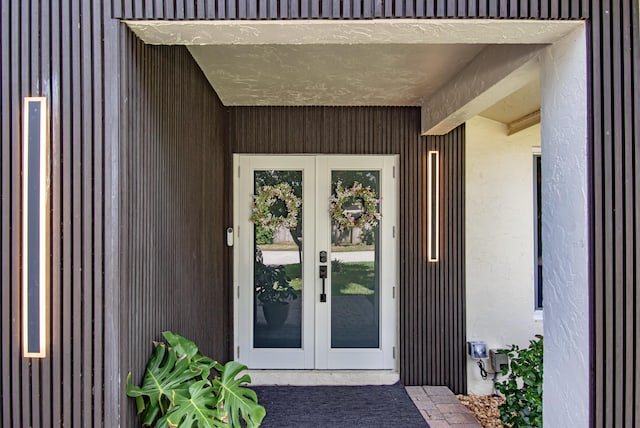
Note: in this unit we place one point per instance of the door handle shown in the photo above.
(323, 276)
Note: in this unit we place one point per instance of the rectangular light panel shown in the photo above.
(433, 206)
(35, 222)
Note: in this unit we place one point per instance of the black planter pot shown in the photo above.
(275, 313)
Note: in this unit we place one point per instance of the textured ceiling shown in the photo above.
(381, 74)
(365, 31)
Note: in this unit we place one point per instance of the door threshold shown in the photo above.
(323, 377)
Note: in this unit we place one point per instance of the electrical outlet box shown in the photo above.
(477, 349)
(498, 361)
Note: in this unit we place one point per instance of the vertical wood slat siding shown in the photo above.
(432, 325)
(55, 50)
(175, 258)
(615, 213)
(29, 65)
(354, 9)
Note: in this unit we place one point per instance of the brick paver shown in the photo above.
(444, 399)
(440, 408)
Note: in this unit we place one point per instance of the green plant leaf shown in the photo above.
(164, 374)
(181, 345)
(202, 363)
(196, 407)
(238, 401)
(185, 347)
(175, 390)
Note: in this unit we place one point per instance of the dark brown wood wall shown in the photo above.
(59, 50)
(350, 9)
(174, 261)
(615, 197)
(432, 305)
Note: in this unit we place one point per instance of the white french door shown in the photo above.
(286, 316)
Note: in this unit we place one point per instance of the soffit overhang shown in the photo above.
(399, 62)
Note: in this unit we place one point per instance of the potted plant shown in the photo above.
(273, 290)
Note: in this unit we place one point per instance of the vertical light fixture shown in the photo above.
(433, 206)
(35, 225)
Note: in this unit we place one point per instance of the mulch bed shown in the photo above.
(484, 408)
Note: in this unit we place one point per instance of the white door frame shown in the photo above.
(316, 352)
(342, 358)
(244, 256)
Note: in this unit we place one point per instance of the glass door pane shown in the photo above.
(355, 261)
(277, 268)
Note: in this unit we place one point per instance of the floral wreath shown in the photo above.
(344, 219)
(267, 196)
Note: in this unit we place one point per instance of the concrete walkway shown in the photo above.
(440, 408)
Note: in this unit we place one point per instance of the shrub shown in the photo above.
(367, 237)
(263, 236)
(522, 389)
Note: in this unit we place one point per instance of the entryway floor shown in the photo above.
(389, 406)
(440, 408)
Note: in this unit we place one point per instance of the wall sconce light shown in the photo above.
(35, 226)
(433, 206)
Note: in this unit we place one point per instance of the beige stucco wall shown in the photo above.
(499, 239)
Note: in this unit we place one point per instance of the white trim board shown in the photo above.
(323, 377)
